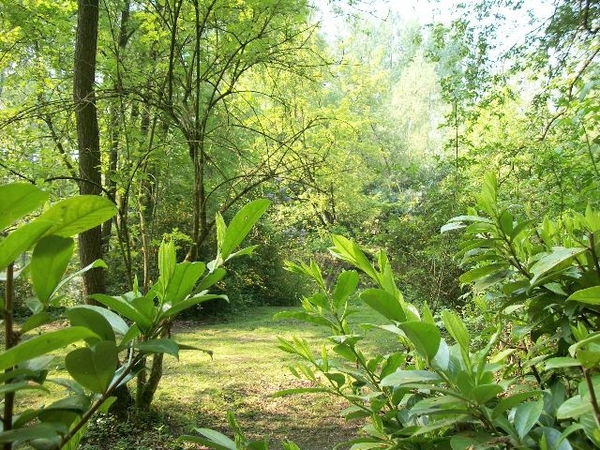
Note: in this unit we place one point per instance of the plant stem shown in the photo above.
(593, 398)
(7, 313)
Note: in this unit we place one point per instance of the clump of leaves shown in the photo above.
(116, 340)
(532, 384)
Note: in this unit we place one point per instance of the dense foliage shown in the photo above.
(351, 119)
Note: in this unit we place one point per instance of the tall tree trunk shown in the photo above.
(88, 135)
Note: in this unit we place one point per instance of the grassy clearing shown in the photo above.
(246, 369)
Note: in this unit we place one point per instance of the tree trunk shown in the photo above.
(88, 136)
(88, 142)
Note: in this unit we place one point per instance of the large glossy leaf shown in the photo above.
(574, 407)
(527, 415)
(212, 439)
(485, 392)
(457, 330)
(481, 272)
(126, 309)
(166, 261)
(554, 439)
(183, 280)
(118, 325)
(19, 386)
(305, 317)
(553, 261)
(240, 226)
(26, 434)
(21, 240)
(400, 377)
(561, 362)
(346, 285)
(424, 336)
(349, 251)
(49, 261)
(93, 367)
(42, 344)
(36, 320)
(172, 311)
(77, 214)
(92, 319)
(66, 280)
(168, 346)
(589, 296)
(513, 400)
(210, 279)
(384, 303)
(18, 199)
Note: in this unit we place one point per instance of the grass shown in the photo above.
(246, 369)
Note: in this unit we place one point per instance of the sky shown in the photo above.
(426, 11)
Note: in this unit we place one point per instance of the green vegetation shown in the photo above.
(420, 193)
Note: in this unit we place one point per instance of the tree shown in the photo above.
(88, 136)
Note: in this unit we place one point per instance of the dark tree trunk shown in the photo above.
(88, 142)
(88, 135)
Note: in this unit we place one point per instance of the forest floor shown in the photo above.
(245, 371)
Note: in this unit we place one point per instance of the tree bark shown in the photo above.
(88, 136)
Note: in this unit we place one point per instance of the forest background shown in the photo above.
(381, 133)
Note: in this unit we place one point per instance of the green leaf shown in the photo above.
(590, 296)
(485, 392)
(400, 377)
(168, 346)
(189, 302)
(19, 386)
(79, 403)
(118, 325)
(124, 308)
(49, 261)
(576, 347)
(183, 280)
(17, 200)
(506, 222)
(21, 240)
(66, 280)
(92, 319)
(348, 251)
(553, 261)
(212, 439)
(93, 367)
(514, 400)
(77, 214)
(211, 279)
(526, 416)
(451, 226)
(241, 224)
(481, 272)
(305, 317)
(26, 434)
(384, 303)
(522, 226)
(166, 261)
(347, 283)
(424, 336)
(554, 439)
(457, 330)
(42, 344)
(35, 321)
(221, 229)
(561, 362)
(574, 407)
